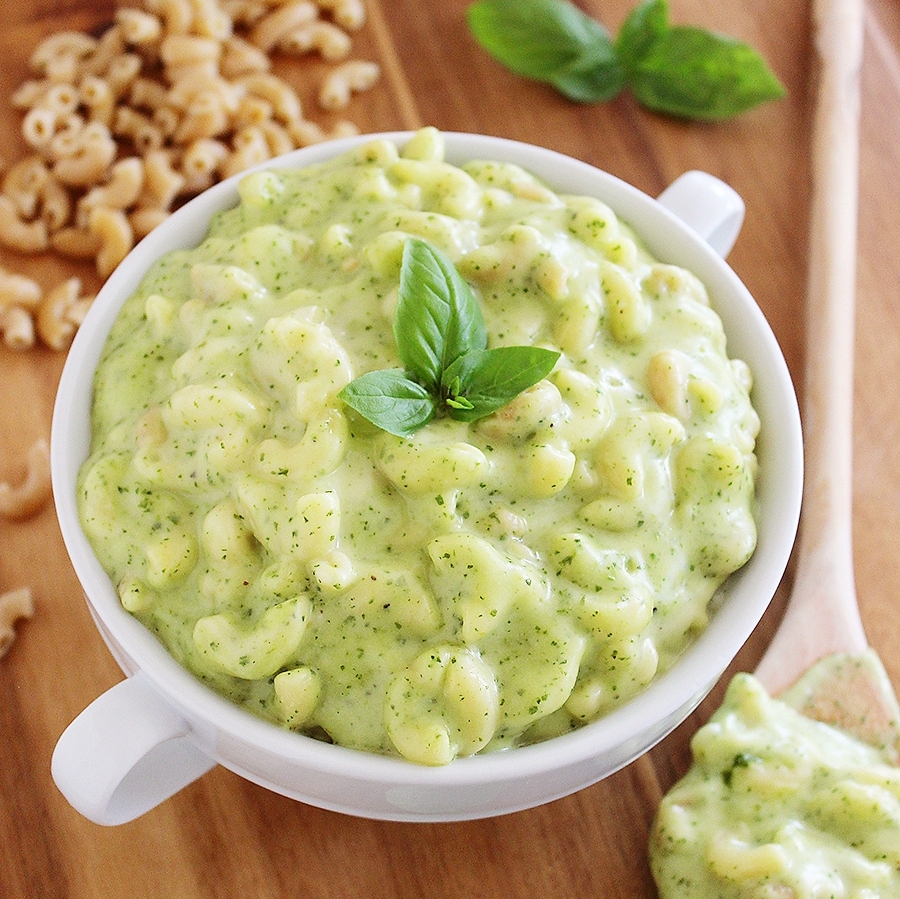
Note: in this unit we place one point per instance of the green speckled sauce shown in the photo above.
(474, 587)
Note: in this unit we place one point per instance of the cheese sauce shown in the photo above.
(475, 586)
(778, 806)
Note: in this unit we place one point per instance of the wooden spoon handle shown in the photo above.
(822, 616)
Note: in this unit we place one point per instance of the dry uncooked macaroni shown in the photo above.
(14, 604)
(477, 586)
(172, 96)
(26, 312)
(777, 804)
(31, 494)
(19, 501)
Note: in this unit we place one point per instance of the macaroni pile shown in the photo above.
(173, 96)
(121, 128)
(478, 585)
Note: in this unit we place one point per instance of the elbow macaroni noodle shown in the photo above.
(473, 587)
(27, 313)
(26, 498)
(14, 604)
(18, 501)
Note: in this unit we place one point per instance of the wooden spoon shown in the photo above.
(821, 637)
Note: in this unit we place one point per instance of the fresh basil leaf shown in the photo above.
(644, 25)
(695, 74)
(390, 400)
(690, 72)
(687, 72)
(483, 381)
(595, 77)
(438, 317)
(551, 41)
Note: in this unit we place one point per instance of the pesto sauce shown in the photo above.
(777, 804)
(479, 585)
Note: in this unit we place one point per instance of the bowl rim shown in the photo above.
(680, 688)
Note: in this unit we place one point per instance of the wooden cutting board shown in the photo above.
(224, 837)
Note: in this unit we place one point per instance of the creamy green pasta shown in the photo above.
(778, 806)
(477, 585)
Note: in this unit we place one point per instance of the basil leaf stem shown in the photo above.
(676, 70)
(442, 341)
(596, 76)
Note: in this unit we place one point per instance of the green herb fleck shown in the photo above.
(741, 760)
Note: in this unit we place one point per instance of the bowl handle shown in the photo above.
(125, 753)
(708, 206)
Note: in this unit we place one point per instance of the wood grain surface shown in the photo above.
(224, 837)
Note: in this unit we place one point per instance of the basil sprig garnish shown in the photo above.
(442, 343)
(674, 69)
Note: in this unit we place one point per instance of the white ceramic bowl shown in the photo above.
(161, 728)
